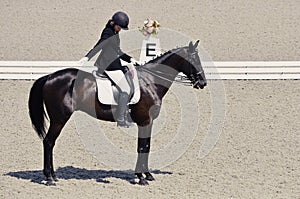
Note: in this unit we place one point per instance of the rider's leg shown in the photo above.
(124, 98)
(129, 79)
(99, 71)
(122, 110)
(125, 91)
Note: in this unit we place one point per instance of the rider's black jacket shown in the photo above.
(109, 43)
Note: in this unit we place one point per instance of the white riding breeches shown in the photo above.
(118, 77)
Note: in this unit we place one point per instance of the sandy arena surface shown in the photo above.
(257, 154)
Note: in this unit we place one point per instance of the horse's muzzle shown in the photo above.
(199, 84)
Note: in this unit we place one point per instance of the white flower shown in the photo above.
(150, 27)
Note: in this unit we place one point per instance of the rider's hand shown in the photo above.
(83, 61)
(134, 62)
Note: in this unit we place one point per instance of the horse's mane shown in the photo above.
(169, 52)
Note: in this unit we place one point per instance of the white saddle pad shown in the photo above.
(109, 94)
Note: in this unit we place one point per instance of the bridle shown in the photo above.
(194, 78)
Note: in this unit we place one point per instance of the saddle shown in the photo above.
(107, 91)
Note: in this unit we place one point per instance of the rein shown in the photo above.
(157, 75)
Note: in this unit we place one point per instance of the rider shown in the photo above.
(109, 60)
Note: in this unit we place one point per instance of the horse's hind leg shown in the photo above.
(49, 142)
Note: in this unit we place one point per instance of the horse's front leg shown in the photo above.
(143, 149)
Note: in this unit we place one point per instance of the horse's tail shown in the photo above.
(36, 107)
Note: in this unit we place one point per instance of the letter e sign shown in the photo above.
(150, 47)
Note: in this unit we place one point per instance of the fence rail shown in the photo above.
(213, 70)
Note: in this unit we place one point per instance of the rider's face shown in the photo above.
(117, 28)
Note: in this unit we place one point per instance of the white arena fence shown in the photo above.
(30, 70)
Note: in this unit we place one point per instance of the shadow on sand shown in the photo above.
(70, 172)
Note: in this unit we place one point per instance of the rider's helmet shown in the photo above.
(121, 18)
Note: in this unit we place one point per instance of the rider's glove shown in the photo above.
(83, 61)
(134, 62)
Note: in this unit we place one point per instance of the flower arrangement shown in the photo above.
(150, 27)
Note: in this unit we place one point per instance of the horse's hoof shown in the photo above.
(55, 179)
(149, 177)
(50, 182)
(143, 182)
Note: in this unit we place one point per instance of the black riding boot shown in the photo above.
(122, 110)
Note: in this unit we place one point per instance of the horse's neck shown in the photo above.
(167, 67)
(160, 74)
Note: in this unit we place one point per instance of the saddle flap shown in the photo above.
(108, 93)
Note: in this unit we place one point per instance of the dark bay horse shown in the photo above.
(69, 90)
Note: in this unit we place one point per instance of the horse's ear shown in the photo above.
(196, 44)
(191, 47)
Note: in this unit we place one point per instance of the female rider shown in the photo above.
(109, 60)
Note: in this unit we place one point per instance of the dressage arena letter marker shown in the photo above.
(148, 49)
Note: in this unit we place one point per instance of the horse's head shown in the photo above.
(192, 67)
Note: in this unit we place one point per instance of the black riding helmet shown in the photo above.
(121, 19)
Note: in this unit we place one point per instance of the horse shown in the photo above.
(71, 89)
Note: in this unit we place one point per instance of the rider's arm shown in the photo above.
(124, 56)
(128, 58)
